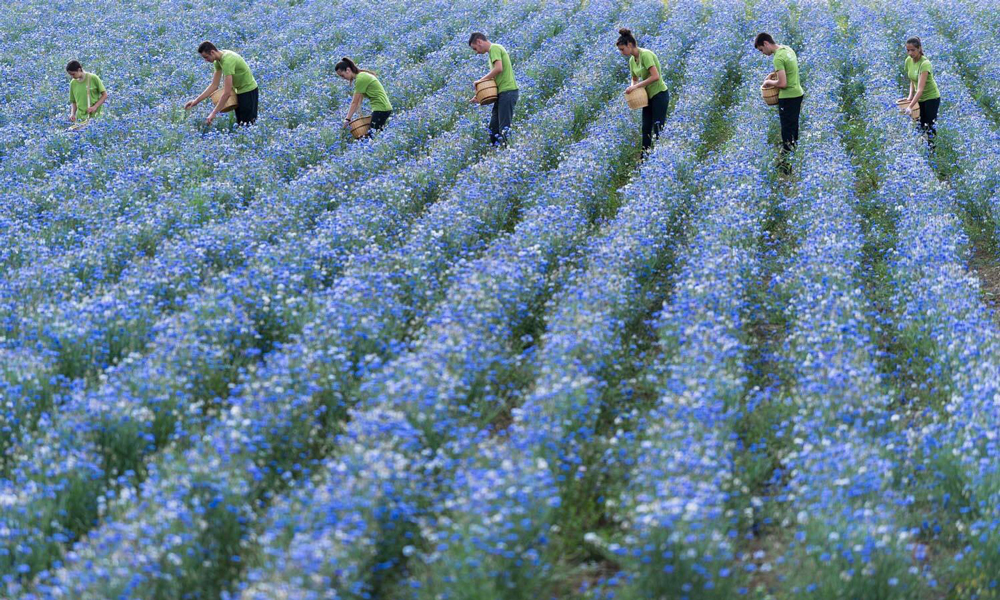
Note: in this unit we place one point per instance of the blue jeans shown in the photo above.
(503, 114)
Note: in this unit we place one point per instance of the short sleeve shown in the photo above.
(925, 67)
(495, 54)
(647, 60)
(361, 83)
(98, 84)
(71, 98)
(218, 66)
(229, 66)
(779, 62)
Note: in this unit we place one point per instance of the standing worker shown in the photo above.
(236, 78)
(786, 67)
(923, 89)
(366, 85)
(507, 93)
(86, 93)
(644, 67)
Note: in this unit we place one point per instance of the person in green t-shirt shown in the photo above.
(923, 89)
(234, 74)
(502, 73)
(644, 67)
(786, 68)
(366, 85)
(86, 93)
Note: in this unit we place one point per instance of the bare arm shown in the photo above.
(781, 82)
(654, 76)
(216, 78)
(97, 105)
(915, 98)
(353, 108)
(227, 91)
(72, 111)
(496, 70)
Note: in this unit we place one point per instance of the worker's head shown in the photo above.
(765, 43)
(75, 69)
(209, 52)
(479, 43)
(626, 42)
(346, 69)
(914, 48)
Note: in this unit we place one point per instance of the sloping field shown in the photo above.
(274, 363)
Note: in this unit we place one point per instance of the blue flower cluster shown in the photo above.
(272, 362)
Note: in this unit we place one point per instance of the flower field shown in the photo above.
(272, 362)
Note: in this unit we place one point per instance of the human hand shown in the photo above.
(72, 118)
(190, 104)
(211, 117)
(473, 100)
(91, 110)
(629, 89)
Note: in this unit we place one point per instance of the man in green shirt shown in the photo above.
(786, 67)
(234, 74)
(86, 93)
(502, 73)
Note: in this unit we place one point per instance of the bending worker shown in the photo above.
(234, 74)
(503, 73)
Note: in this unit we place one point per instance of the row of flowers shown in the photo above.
(948, 458)
(471, 510)
(834, 526)
(295, 401)
(194, 361)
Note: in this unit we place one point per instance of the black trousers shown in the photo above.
(379, 117)
(653, 116)
(928, 118)
(788, 114)
(503, 114)
(246, 107)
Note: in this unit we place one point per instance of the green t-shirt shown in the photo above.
(78, 95)
(505, 80)
(913, 71)
(233, 64)
(640, 71)
(369, 86)
(785, 60)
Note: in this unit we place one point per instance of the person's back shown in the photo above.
(785, 58)
(233, 64)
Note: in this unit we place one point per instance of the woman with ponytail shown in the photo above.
(644, 67)
(923, 89)
(366, 85)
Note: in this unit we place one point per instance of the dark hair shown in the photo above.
(347, 64)
(206, 47)
(625, 38)
(914, 41)
(477, 36)
(761, 38)
(73, 66)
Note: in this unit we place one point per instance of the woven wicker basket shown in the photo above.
(770, 95)
(230, 104)
(915, 115)
(360, 126)
(486, 92)
(637, 99)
